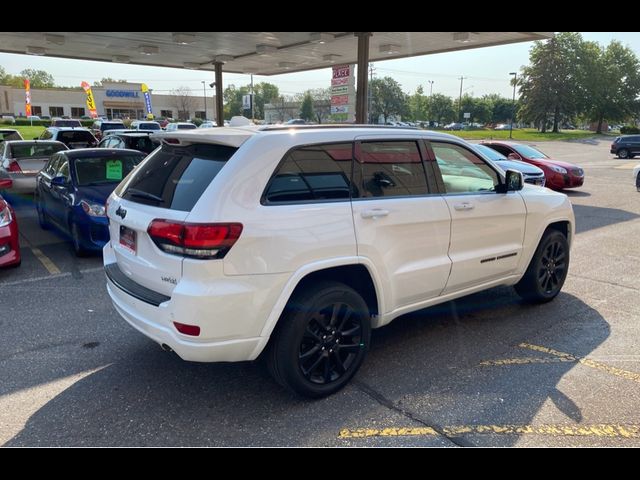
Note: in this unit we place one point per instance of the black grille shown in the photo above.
(578, 172)
(134, 289)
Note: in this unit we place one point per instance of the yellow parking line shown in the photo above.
(618, 372)
(46, 261)
(523, 361)
(597, 430)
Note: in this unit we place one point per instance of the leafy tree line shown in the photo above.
(37, 78)
(568, 77)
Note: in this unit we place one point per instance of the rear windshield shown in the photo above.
(149, 126)
(103, 170)
(67, 123)
(175, 177)
(72, 136)
(110, 126)
(144, 144)
(35, 150)
(186, 126)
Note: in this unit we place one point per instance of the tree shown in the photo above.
(306, 109)
(549, 85)
(387, 98)
(611, 82)
(107, 80)
(4, 76)
(479, 109)
(418, 105)
(264, 92)
(501, 107)
(183, 101)
(38, 78)
(321, 103)
(441, 108)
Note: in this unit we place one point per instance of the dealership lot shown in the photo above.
(486, 370)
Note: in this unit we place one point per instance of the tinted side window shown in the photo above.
(63, 169)
(312, 173)
(175, 177)
(503, 150)
(46, 135)
(462, 170)
(389, 169)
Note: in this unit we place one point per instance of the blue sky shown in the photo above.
(486, 70)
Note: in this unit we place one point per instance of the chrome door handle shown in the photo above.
(374, 213)
(463, 206)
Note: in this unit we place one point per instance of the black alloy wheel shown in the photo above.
(321, 339)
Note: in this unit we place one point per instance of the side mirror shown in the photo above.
(514, 156)
(59, 182)
(5, 183)
(513, 181)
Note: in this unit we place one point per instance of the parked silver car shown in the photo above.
(21, 160)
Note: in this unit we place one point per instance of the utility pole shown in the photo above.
(460, 100)
(371, 72)
(513, 111)
(252, 99)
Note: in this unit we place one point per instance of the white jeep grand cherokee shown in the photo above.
(299, 240)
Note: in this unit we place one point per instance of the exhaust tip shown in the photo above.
(166, 347)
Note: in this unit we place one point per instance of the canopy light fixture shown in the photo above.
(286, 65)
(321, 37)
(389, 49)
(36, 50)
(265, 49)
(121, 59)
(183, 38)
(55, 39)
(330, 57)
(148, 49)
(191, 65)
(462, 37)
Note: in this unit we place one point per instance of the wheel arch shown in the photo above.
(353, 272)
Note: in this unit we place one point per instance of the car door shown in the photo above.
(61, 196)
(401, 226)
(487, 228)
(634, 144)
(43, 185)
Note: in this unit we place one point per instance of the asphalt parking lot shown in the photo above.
(487, 370)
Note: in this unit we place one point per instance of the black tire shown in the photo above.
(623, 153)
(79, 250)
(321, 340)
(42, 217)
(638, 182)
(547, 270)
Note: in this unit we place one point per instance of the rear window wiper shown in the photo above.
(134, 192)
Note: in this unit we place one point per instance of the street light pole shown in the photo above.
(513, 112)
(430, 87)
(204, 92)
(460, 99)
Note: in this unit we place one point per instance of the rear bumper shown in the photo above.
(230, 311)
(22, 183)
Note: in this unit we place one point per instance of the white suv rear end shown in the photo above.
(226, 241)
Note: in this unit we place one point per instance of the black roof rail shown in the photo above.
(333, 125)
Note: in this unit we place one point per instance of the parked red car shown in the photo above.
(9, 246)
(558, 174)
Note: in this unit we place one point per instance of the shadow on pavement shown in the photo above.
(589, 217)
(427, 362)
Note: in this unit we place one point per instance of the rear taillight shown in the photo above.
(197, 240)
(5, 213)
(14, 167)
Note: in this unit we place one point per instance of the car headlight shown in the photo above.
(93, 209)
(558, 169)
(5, 214)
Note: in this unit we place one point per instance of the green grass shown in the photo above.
(28, 133)
(525, 134)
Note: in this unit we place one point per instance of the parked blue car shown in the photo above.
(71, 191)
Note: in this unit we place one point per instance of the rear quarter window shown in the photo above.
(175, 177)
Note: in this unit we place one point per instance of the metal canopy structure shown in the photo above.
(260, 53)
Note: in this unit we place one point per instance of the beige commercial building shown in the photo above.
(115, 100)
